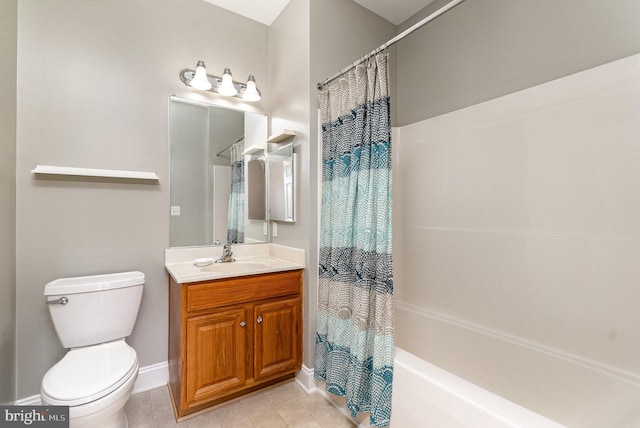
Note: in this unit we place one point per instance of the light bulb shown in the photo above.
(200, 80)
(226, 87)
(251, 94)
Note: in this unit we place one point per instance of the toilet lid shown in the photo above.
(87, 374)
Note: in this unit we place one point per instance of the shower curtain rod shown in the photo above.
(392, 41)
(237, 140)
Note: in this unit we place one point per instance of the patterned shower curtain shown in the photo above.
(354, 341)
(235, 220)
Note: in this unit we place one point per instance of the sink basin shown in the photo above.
(235, 267)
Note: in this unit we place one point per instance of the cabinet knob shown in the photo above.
(243, 323)
(259, 319)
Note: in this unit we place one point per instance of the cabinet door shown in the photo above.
(277, 339)
(215, 353)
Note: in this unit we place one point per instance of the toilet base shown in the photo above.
(117, 419)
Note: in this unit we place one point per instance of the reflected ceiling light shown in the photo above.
(225, 85)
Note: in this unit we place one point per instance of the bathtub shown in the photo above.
(425, 395)
(448, 374)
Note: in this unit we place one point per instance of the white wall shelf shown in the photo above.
(93, 172)
(254, 150)
(281, 136)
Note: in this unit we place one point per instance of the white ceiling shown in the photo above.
(396, 11)
(266, 11)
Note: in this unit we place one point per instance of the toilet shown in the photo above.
(92, 316)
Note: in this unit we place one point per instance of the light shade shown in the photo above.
(200, 80)
(251, 94)
(226, 87)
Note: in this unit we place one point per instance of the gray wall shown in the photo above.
(94, 80)
(189, 135)
(225, 126)
(8, 53)
(309, 41)
(484, 49)
(289, 70)
(342, 32)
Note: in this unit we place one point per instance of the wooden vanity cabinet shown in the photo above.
(231, 336)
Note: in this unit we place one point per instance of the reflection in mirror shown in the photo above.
(208, 174)
(235, 213)
(256, 192)
(281, 183)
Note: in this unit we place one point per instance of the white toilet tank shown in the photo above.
(94, 309)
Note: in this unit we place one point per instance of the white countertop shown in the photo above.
(250, 260)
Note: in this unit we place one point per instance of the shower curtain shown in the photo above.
(354, 340)
(235, 219)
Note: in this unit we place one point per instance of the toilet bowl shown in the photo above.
(92, 316)
(95, 382)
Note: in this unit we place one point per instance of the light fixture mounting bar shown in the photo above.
(188, 74)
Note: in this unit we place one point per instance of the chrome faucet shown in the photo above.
(227, 255)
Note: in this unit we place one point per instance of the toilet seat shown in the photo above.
(90, 373)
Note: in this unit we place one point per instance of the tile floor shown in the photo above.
(284, 405)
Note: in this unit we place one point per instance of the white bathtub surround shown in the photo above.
(563, 387)
(259, 258)
(519, 219)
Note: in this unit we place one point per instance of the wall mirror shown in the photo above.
(210, 181)
(281, 182)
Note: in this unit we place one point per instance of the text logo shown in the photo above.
(34, 416)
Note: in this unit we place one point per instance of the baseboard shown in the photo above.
(305, 379)
(34, 400)
(149, 377)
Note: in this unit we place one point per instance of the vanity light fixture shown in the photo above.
(225, 85)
